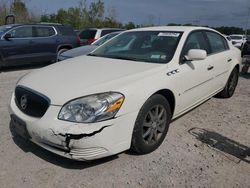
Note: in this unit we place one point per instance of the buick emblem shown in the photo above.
(24, 102)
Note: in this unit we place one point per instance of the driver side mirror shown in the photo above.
(196, 54)
(7, 36)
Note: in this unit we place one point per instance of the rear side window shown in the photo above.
(217, 42)
(66, 31)
(22, 32)
(196, 40)
(87, 34)
(105, 32)
(44, 31)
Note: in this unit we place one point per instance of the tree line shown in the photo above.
(85, 15)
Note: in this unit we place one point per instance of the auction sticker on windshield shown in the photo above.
(168, 34)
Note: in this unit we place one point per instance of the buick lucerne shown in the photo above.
(124, 94)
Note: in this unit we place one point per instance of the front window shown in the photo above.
(145, 46)
(4, 28)
(22, 32)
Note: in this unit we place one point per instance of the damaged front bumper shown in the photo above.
(77, 140)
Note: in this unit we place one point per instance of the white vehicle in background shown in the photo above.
(228, 38)
(125, 93)
(238, 40)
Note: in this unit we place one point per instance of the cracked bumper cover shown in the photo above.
(76, 140)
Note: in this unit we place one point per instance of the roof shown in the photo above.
(105, 28)
(48, 24)
(171, 28)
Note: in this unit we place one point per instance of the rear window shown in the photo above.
(105, 32)
(217, 42)
(66, 30)
(87, 34)
(44, 31)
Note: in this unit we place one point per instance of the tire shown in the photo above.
(232, 82)
(60, 52)
(151, 125)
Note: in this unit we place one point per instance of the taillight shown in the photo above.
(90, 41)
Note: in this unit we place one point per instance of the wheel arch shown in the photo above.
(169, 95)
(66, 46)
(237, 67)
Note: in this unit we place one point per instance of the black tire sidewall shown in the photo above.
(235, 71)
(138, 143)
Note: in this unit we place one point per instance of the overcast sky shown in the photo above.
(162, 12)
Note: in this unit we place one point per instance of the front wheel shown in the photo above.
(232, 82)
(151, 125)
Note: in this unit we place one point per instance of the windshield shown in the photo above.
(236, 37)
(4, 28)
(104, 39)
(145, 46)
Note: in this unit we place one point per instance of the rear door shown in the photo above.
(220, 59)
(18, 48)
(44, 43)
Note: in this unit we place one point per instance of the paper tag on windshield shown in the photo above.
(168, 34)
(155, 56)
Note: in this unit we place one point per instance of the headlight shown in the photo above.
(93, 108)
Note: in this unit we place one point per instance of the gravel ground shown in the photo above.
(208, 147)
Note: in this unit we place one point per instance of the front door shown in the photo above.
(195, 78)
(17, 49)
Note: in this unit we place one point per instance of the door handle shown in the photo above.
(210, 67)
(229, 60)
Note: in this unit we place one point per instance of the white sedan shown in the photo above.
(124, 94)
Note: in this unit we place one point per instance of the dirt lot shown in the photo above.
(208, 147)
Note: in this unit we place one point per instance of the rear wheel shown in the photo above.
(232, 82)
(60, 52)
(151, 125)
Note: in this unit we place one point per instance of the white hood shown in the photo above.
(85, 75)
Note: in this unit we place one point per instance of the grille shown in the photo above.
(31, 102)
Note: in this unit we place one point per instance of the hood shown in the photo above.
(83, 50)
(85, 75)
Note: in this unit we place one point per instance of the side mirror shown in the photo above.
(196, 54)
(7, 36)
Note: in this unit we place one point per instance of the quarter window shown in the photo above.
(44, 31)
(217, 42)
(21, 32)
(196, 40)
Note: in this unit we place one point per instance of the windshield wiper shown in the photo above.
(121, 57)
(114, 57)
(92, 55)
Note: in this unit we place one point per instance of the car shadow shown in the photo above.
(222, 143)
(27, 146)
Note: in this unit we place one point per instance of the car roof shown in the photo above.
(38, 24)
(103, 29)
(172, 28)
